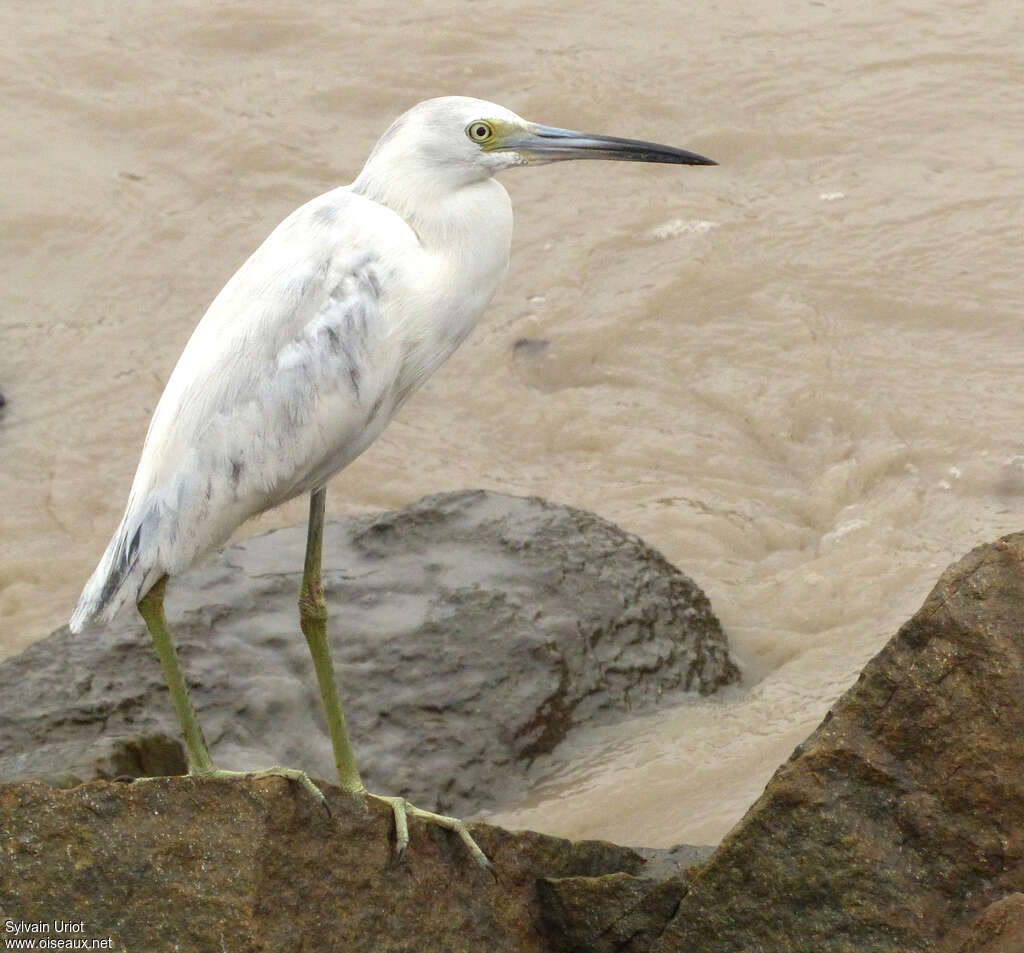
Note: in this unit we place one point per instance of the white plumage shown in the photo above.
(307, 352)
(351, 303)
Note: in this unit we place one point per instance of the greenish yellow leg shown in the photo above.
(313, 619)
(151, 608)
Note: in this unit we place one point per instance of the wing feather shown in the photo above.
(286, 379)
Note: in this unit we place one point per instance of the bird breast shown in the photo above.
(466, 242)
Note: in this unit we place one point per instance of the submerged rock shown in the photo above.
(471, 632)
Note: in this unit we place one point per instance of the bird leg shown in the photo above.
(313, 619)
(151, 608)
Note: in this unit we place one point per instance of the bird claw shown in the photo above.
(292, 774)
(401, 808)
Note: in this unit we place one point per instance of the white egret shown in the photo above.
(350, 304)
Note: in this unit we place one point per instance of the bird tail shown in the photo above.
(123, 571)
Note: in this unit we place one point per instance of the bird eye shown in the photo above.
(479, 131)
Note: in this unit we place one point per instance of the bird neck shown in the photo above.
(444, 211)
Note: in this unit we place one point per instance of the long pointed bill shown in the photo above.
(551, 144)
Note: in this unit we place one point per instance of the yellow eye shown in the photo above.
(480, 131)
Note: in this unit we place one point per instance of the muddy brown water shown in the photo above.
(797, 374)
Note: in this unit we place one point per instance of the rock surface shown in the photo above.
(901, 818)
(183, 865)
(897, 827)
(471, 631)
(998, 929)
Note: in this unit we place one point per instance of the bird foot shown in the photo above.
(292, 774)
(401, 808)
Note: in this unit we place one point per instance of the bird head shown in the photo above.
(462, 140)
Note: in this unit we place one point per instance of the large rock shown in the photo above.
(471, 631)
(897, 827)
(257, 867)
(899, 824)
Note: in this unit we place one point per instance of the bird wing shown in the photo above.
(285, 380)
(291, 357)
